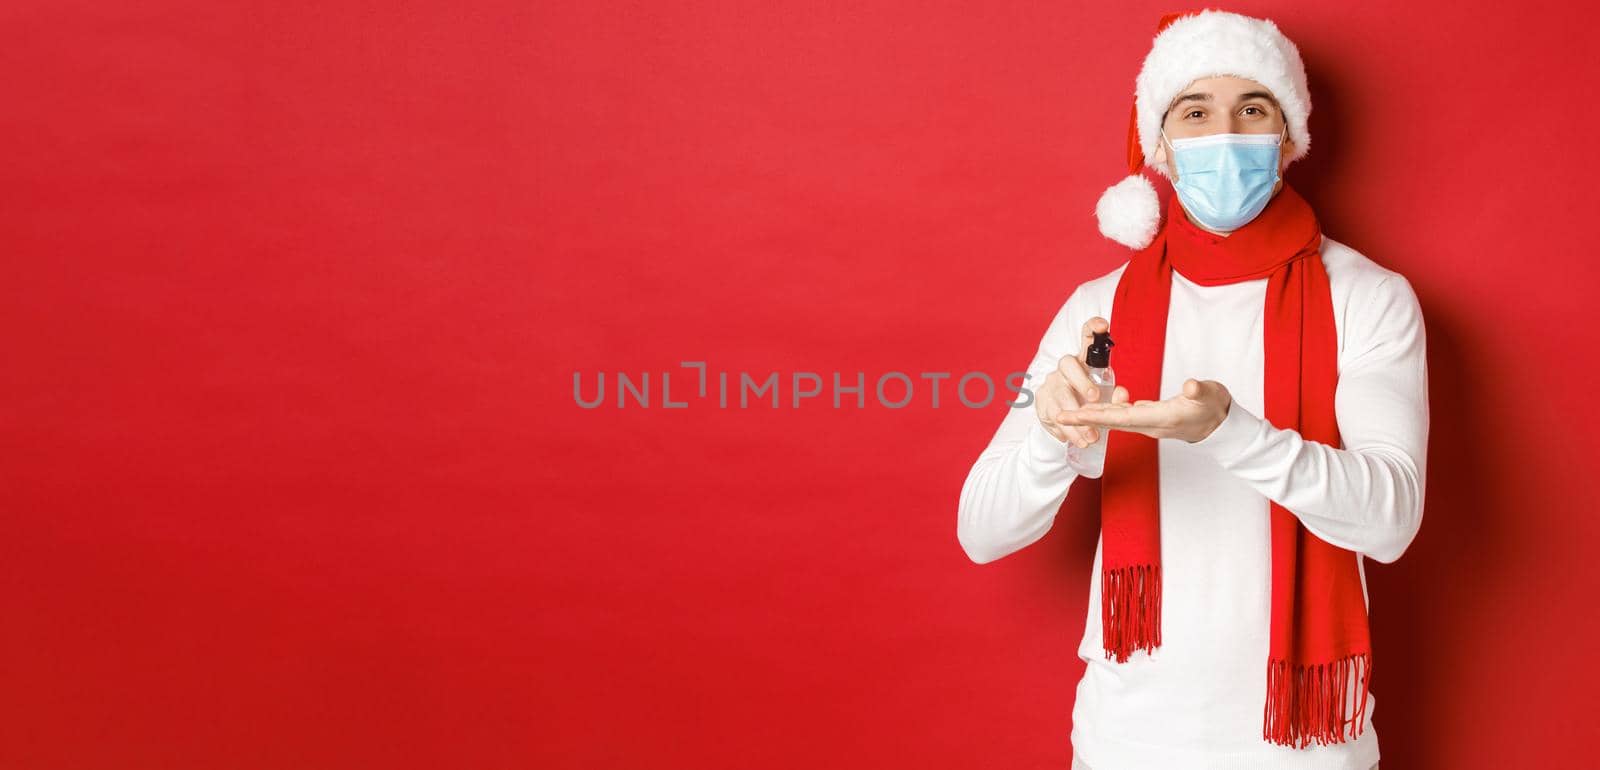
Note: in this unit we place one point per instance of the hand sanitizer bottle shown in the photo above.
(1090, 461)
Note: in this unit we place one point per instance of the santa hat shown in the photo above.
(1190, 45)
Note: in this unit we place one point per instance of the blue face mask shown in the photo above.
(1225, 180)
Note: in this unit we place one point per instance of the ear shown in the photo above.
(1162, 160)
(1286, 150)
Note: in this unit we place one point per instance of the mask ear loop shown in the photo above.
(1172, 161)
(1277, 169)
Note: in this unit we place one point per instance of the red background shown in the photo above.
(294, 294)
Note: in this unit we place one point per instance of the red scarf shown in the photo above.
(1319, 616)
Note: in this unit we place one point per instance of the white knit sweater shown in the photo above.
(1197, 701)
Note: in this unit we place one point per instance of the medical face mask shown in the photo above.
(1225, 180)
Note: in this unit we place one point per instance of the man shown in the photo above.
(1268, 430)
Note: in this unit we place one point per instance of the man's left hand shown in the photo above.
(1190, 415)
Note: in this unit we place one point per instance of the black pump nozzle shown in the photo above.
(1099, 355)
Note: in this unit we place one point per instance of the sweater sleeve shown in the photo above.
(1017, 484)
(1366, 497)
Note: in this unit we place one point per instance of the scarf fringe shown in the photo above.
(1130, 610)
(1309, 702)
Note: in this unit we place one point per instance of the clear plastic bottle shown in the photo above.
(1090, 461)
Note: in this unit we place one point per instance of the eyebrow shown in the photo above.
(1197, 96)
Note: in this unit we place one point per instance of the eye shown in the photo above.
(1192, 113)
(1257, 109)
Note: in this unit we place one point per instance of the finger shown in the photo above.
(1046, 411)
(1088, 414)
(1206, 391)
(1058, 431)
(1071, 434)
(1116, 415)
(1048, 419)
(1079, 437)
(1053, 399)
(1087, 434)
(1077, 376)
(1120, 395)
(1065, 401)
(1098, 408)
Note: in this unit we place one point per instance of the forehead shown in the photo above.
(1224, 88)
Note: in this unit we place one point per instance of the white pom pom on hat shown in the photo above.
(1129, 212)
(1190, 45)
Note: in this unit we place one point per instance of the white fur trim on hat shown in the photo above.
(1215, 43)
(1129, 212)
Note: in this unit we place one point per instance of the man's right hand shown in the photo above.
(1069, 387)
